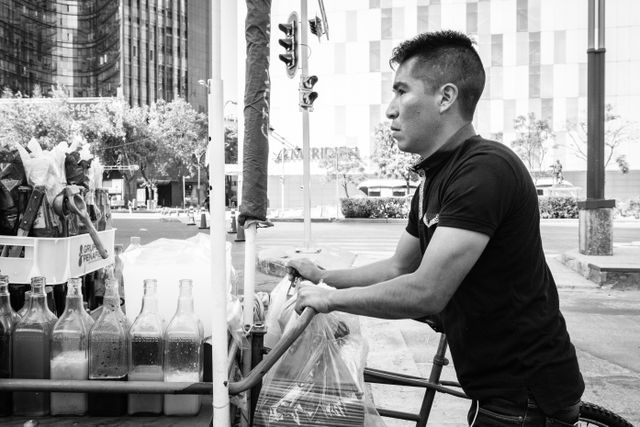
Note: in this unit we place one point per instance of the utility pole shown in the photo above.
(596, 224)
(306, 150)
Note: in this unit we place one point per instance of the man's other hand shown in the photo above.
(307, 269)
(316, 297)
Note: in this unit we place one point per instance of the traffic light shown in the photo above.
(306, 92)
(290, 44)
(316, 27)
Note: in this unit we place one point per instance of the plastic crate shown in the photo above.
(57, 259)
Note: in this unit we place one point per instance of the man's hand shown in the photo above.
(316, 297)
(307, 269)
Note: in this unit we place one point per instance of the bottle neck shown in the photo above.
(185, 304)
(5, 304)
(38, 301)
(149, 304)
(111, 298)
(73, 302)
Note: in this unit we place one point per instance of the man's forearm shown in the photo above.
(398, 298)
(362, 276)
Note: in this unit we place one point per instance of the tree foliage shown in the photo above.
(391, 162)
(22, 119)
(617, 132)
(344, 165)
(534, 137)
(165, 140)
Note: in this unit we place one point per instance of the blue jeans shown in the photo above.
(503, 413)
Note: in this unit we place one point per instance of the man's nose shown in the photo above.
(392, 111)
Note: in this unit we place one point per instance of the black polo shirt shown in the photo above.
(505, 330)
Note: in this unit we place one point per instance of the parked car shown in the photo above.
(387, 187)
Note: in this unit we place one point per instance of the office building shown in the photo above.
(534, 52)
(93, 47)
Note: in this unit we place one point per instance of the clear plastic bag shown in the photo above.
(278, 299)
(319, 380)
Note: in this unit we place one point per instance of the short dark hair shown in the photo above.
(451, 58)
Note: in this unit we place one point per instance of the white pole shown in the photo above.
(282, 184)
(337, 186)
(306, 150)
(217, 234)
(184, 194)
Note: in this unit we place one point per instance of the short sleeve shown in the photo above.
(479, 194)
(412, 225)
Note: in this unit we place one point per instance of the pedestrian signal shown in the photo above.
(306, 92)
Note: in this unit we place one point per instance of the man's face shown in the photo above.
(414, 110)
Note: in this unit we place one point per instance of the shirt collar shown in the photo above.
(443, 153)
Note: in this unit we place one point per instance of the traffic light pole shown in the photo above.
(306, 151)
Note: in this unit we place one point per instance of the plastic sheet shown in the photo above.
(319, 380)
(168, 261)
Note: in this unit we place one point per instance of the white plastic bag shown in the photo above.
(41, 168)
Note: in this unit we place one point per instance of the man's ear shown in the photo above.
(448, 96)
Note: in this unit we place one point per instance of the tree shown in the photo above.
(121, 137)
(391, 162)
(344, 165)
(617, 132)
(22, 119)
(161, 140)
(532, 141)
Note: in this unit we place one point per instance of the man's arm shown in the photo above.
(405, 259)
(450, 255)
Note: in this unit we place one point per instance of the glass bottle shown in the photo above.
(70, 352)
(118, 271)
(5, 300)
(8, 319)
(183, 353)
(108, 360)
(31, 348)
(25, 306)
(134, 243)
(146, 351)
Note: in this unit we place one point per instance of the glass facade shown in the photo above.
(27, 44)
(85, 47)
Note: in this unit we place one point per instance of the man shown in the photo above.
(471, 251)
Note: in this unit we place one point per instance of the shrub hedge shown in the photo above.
(378, 207)
(628, 208)
(398, 207)
(558, 207)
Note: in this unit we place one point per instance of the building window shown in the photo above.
(374, 56)
(472, 17)
(546, 111)
(352, 25)
(534, 81)
(560, 47)
(522, 15)
(534, 48)
(496, 50)
(423, 18)
(386, 23)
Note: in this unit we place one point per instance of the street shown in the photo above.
(603, 324)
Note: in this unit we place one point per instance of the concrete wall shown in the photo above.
(617, 185)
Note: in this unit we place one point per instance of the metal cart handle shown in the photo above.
(276, 352)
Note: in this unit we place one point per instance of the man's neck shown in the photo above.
(447, 136)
